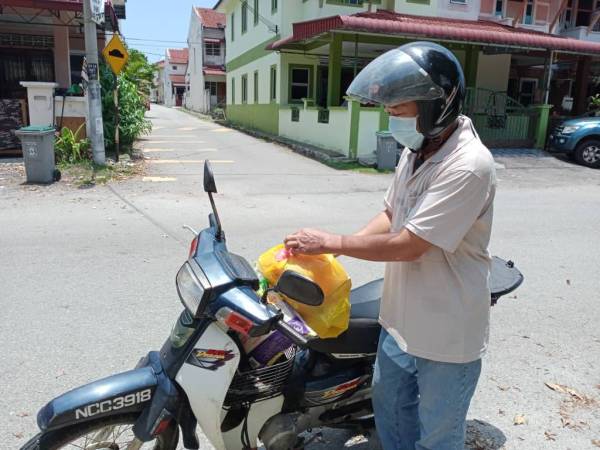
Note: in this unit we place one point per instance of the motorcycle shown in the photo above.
(202, 376)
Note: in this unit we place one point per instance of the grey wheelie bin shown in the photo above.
(37, 143)
(387, 151)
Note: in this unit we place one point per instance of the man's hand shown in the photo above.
(309, 241)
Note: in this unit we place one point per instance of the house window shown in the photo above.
(273, 6)
(566, 20)
(232, 27)
(244, 17)
(584, 13)
(460, 2)
(273, 83)
(300, 83)
(244, 88)
(232, 91)
(528, 19)
(76, 67)
(255, 12)
(212, 48)
(174, 67)
(527, 90)
(256, 86)
(211, 86)
(499, 8)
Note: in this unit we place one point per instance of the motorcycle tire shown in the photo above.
(67, 438)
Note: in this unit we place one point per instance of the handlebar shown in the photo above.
(291, 333)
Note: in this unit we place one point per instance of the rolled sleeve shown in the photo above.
(444, 213)
(388, 199)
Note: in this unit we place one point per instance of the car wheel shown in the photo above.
(588, 153)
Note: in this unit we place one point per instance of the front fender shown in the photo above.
(123, 393)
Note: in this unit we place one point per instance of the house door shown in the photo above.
(527, 88)
(221, 93)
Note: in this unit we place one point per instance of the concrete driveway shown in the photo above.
(86, 275)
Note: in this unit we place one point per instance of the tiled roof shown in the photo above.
(178, 55)
(210, 18)
(208, 70)
(473, 31)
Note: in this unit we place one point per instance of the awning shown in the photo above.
(215, 41)
(65, 5)
(177, 79)
(213, 71)
(58, 5)
(481, 32)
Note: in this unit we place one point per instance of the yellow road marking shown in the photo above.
(221, 130)
(188, 161)
(158, 179)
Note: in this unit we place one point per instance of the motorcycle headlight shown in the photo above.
(193, 288)
(570, 129)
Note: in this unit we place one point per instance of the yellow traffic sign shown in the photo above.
(115, 54)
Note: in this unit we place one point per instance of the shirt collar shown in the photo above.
(463, 134)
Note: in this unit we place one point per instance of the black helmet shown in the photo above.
(424, 72)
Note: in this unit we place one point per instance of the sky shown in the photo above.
(163, 20)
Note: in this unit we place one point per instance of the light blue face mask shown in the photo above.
(404, 130)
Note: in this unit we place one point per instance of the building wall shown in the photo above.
(418, 7)
(261, 115)
(452, 9)
(492, 72)
(195, 97)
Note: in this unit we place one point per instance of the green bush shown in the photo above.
(69, 148)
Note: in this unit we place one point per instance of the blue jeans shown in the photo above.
(420, 404)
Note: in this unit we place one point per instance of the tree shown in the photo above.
(140, 72)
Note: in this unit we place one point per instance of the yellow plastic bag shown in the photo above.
(331, 318)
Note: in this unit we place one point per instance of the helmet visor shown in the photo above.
(391, 79)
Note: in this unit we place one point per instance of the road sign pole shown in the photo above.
(96, 125)
(117, 118)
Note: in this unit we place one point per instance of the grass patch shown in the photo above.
(356, 167)
(88, 173)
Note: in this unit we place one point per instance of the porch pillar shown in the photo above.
(582, 79)
(542, 125)
(354, 107)
(334, 76)
(471, 63)
(62, 62)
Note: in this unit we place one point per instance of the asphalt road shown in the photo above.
(87, 275)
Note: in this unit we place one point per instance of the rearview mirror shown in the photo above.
(209, 179)
(300, 288)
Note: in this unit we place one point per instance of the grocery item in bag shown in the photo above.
(329, 319)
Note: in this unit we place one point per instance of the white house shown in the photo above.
(289, 64)
(205, 75)
(176, 62)
(157, 93)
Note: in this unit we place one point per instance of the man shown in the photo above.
(433, 234)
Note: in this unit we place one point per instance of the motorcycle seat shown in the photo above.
(362, 334)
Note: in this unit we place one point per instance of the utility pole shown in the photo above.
(94, 93)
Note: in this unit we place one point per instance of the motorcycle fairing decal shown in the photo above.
(206, 389)
(209, 359)
(334, 392)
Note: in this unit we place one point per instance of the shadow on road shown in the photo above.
(483, 436)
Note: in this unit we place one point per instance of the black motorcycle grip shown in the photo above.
(291, 333)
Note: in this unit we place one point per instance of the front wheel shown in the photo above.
(588, 153)
(111, 433)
